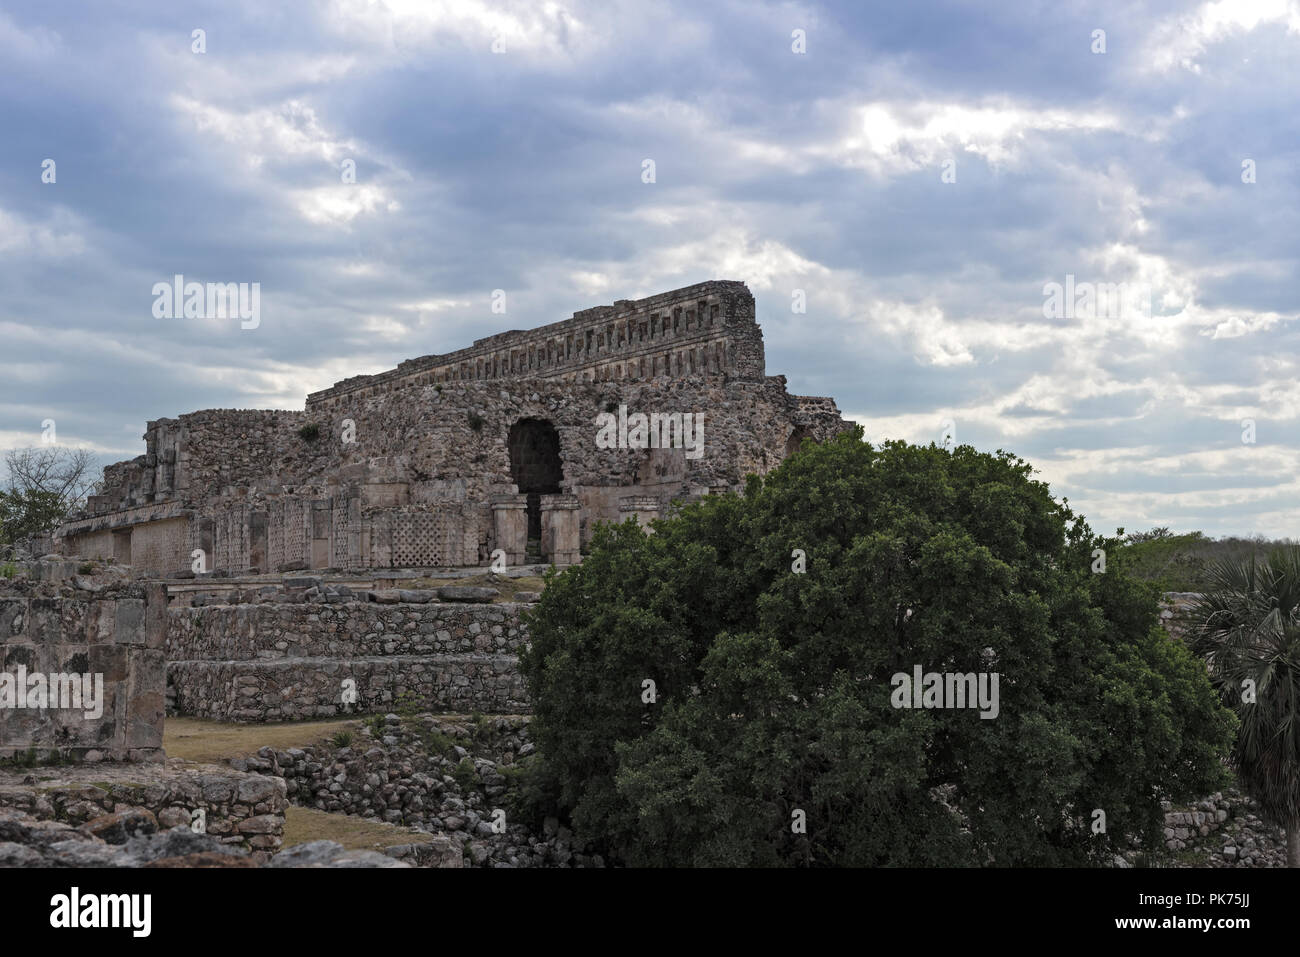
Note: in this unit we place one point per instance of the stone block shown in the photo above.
(466, 593)
(129, 622)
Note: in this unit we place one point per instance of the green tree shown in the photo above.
(773, 687)
(1172, 562)
(1247, 626)
(44, 486)
(25, 512)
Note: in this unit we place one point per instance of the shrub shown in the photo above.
(310, 432)
(342, 739)
(1185, 562)
(775, 690)
(466, 774)
(408, 704)
(475, 421)
(437, 743)
(530, 791)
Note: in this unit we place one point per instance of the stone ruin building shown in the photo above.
(447, 458)
(434, 464)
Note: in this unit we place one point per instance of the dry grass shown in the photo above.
(303, 824)
(213, 742)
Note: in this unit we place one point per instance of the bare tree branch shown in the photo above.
(70, 474)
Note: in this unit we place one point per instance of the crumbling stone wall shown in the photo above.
(705, 328)
(166, 533)
(113, 633)
(414, 467)
(240, 809)
(435, 773)
(193, 457)
(278, 662)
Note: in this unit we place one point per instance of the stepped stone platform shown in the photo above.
(311, 649)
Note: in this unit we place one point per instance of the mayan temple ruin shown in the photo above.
(446, 459)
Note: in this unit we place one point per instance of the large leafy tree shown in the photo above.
(1247, 626)
(772, 701)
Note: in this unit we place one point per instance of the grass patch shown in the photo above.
(303, 824)
(213, 742)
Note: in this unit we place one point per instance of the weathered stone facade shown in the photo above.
(448, 458)
(83, 670)
(282, 662)
(437, 774)
(245, 810)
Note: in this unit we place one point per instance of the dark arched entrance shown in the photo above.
(793, 443)
(535, 467)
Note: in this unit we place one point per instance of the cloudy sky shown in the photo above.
(920, 171)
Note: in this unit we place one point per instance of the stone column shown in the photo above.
(321, 519)
(644, 507)
(258, 541)
(560, 529)
(510, 526)
(358, 548)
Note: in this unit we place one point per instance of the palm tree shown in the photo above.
(1247, 628)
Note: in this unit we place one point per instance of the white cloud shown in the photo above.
(338, 205)
(1180, 40)
(410, 27)
(60, 236)
(1235, 326)
(33, 45)
(728, 252)
(889, 138)
(289, 131)
(933, 339)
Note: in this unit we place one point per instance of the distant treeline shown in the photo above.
(1180, 562)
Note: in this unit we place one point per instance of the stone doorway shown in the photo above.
(537, 470)
(122, 547)
(796, 440)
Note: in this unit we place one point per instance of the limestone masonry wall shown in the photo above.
(445, 459)
(708, 327)
(244, 810)
(112, 635)
(277, 662)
